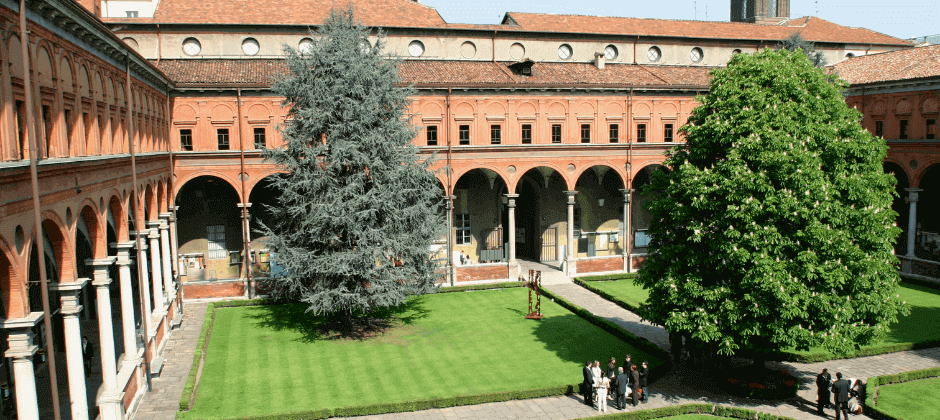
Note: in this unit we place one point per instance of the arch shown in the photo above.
(120, 94)
(499, 174)
(182, 181)
(209, 223)
(526, 109)
(118, 216)
(879, 108)
(669, 110)
(641, 109)
(65, 75)
(161, 197)
(585, 109)
(12, 299)
(109, 87)
(557, 109)
(431, 109)
(495, 108)
(184, 112)
(250, 186)
(464, 109)
(899, 202)
(99, 87)
(57, 234)
(645, 174)
(44, 68)
(557, 169)
(929, 104)
(150, 204)
(903, 106)
(84, 89)
(928, 206)
(614, 108)
(97, 236)
(222, 112)
(15, 49)
(620, 171)
(259, 112)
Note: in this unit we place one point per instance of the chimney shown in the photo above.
(599, 60)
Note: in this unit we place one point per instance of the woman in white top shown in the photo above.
(602, 384)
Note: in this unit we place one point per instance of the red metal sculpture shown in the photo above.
(535, 284)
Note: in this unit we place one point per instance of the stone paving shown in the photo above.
(163, 400)
(677, 387)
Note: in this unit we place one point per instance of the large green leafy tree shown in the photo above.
(774, 229)
(359, 208)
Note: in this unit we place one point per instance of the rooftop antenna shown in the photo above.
(695, 6)
(706, 11)
(817, 7)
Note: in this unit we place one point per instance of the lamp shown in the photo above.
(600, 202)
(78, 190)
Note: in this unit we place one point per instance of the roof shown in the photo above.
(372, 13)
(811, 28)
(263, 72)
(907, 64)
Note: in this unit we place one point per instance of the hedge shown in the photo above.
(608, 277)
(873, 383)
(486, 286)
(715, 410)
(779, 355)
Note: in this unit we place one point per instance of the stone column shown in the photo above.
(143, 267)
(174, 250)
(165, 256)
(511, 206)
(912, 196)
(127, 302)
(572, 256)
(245, 220)
(21, 350)
(73, 345)
(451, 273)
(627, 235)
(156, 271)
(110, 398)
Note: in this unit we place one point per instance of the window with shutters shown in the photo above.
(462, 226)
(216, 236)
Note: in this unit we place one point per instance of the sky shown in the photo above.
(904, 19)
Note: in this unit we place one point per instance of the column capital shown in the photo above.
(154, 225)
(571, 195)
(627, 194)
(21, 339)
(69, 288)
(165, 215)
(240, 205)
(912, 194)
(511, 199)
(154, 234)
(69, 296)
(124, 251)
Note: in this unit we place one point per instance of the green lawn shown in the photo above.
(920, 325)
(693, 417)
(267, 359)
(911, 400)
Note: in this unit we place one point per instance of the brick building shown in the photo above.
(149, 116)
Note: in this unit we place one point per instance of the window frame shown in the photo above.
(186, 135)
(212, 254)
(219, 136)
(880, 129)
(461, 130)
(557, 138)
(430, 131)
(902, 129)
(669, 133)
(526, 133)
(641, 134)
(264, 137)
(463, 228)
(928, 124)
(585, 133)
(613, 132)
(496, 133)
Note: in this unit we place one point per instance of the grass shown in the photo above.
(692, 417)
(911, 400)
(266, 360)
(918, 327)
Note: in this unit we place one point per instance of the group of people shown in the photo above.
(845, 392)
(615, 383)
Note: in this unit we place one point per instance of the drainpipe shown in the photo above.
(627, 211)
(242, 176)
(34, 178)
(493, 45)
(159, 47)
(171, 196)
(450, 193)
(141, 268)
(634, 51)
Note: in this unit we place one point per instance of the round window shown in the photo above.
(736, 51)
(564, 51)
(416, 48)
(305, 45)
(696, 55)
(468, 50)
(191, 46)
(516, 51)
(654, 54)
(610, 53)
(250, 46)
(850, 55)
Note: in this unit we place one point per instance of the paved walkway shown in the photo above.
(677, 387)
(163, 400)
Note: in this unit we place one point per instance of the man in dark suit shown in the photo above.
(823, 383)
(628, 364)
(621, 382)
(644, 376)
(88, 353)
(587, 387)
(841, 391)
(635, 382)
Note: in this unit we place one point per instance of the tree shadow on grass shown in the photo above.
(295, 317)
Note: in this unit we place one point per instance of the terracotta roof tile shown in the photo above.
(812, 28)
(914, 63)
(374, 13)
(262, 72)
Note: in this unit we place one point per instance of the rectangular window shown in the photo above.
(222, 135)
(556, 133)
(641, 133)
(667, 133)
(462, 225)
(47, 128)
(903, 133)
(496, 134)
(68, 131)
(216, 236)
(614, 133)
(931, 131)
(880, 128)
(464, 135)
(260, 135)
(131, 13)
(432, 135)
(186, 139)
(526, 133)
(585, 133)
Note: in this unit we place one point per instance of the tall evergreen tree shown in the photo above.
(796, 42)
(774, 230)
(359, 207)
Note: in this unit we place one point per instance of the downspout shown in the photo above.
(171, 198)
(34, 179)
(450, 193)
(160, 48)
(493, 46)
(634, 52)
(628, 213)
(242, 176)
(141, 268)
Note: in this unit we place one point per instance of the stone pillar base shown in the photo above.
(111, 406)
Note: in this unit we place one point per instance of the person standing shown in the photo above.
(611, 368)
(88, 354)
(602, 385)
(635, 381)
(841, 390)
(587, 387)
(628, 364)
(644, 376)
(622, 382)
(823, 383)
